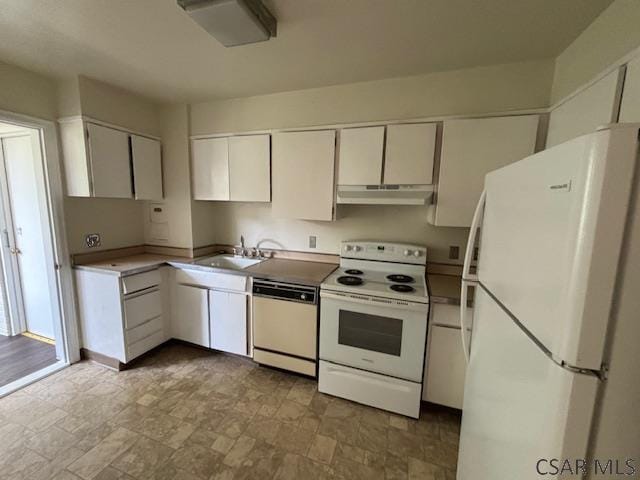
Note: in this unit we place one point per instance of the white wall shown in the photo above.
(615, 33)
(174, 122)
(391, 223)
(28, 93)
(477, 90)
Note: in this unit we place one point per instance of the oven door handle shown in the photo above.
(373, 301)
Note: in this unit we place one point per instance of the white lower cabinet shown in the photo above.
(190, 319)
(210, 309)
(228, 321)
(121, 317)
(445, 369)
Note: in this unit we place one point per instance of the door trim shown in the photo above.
(67, 341)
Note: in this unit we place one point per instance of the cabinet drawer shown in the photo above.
(143, 331)
(138, 310)
(140, 281)
(446, 368)
(222, 281)
(138, 348)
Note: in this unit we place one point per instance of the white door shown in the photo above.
(146, 158)
(519, 405)
(250, 168)
(228, 321)
(110, 162)
(551, 237)
(303, 174)
(26, 236)
(471, 148)
(210, 169)
(597, 105)
(360, 157)
(190, 319)
(409, 154)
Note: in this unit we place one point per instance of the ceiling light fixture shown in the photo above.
(232, 22)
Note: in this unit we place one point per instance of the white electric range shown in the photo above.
(373, 326)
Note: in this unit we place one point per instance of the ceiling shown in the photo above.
(153, 48)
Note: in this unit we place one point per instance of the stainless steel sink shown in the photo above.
(229, 262)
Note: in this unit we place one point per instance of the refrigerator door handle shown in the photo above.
(473, 234)
(463, 319)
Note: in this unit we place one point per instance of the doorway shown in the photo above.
(33, 337)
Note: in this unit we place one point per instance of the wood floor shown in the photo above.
(20, 356)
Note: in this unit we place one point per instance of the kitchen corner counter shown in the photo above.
(293, 271)
(131, 264)
(445, 289)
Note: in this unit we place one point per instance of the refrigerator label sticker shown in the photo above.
(561, 187)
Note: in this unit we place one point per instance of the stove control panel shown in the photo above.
(384, 251)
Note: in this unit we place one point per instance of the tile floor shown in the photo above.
(185, 413)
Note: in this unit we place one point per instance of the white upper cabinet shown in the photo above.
(630, 107)
(146, 159)
(596, 105)
(360, 156)
(110, 164)
(232, 168)
(210, 169)
(303, 174)
(409, 154)
(98, 161)
(471, 148)
(250, 168)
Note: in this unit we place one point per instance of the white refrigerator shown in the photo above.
(554, 355)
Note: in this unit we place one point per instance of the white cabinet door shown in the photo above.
(630, 107)
(446, 368)
(147, 168)
(303, 174)
(250, 168)
(210, 169)
(409, 154)
(228, 321)
(190, 319)
(110, 165)
(471, 148)
(360, 156)
(582, 114)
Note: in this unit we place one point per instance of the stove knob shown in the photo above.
(357, 248)
(407, 253)
(348, 248)
(417, 253)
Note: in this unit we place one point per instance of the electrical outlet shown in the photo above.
(312, 241)
(454, 252)
(92, 240)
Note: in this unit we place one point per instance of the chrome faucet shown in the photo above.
(240, 250)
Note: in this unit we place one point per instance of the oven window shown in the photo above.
(370, 332)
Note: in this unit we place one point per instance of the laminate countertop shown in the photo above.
(292, 271)
(282, 270)
(446, 289)
(131, 264)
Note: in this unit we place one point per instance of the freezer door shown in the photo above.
(520, 407)
(551, 236)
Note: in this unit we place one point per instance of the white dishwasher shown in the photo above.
(285, 326)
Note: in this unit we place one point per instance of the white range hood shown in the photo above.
(385, 194)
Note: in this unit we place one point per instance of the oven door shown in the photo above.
(375, 334)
